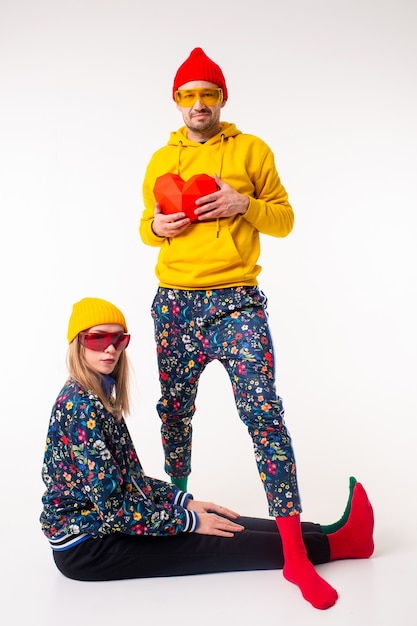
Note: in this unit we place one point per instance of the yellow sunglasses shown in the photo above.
(188, 97)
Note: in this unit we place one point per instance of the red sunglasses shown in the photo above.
(100, 341)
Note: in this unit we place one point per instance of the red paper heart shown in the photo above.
(174, 194)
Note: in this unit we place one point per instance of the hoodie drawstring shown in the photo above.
(220, 175)
(180, 146)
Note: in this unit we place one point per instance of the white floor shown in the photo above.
(377, 592)
(380, 591)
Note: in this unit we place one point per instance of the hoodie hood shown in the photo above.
(179, 139)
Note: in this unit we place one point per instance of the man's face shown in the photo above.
(201, 118)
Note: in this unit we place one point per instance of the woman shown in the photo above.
(106, 520)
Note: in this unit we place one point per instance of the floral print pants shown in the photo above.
(192, 328)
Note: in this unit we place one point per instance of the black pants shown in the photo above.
(120, 556)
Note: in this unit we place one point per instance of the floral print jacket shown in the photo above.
(95, 484)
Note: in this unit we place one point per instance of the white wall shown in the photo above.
(330, 86)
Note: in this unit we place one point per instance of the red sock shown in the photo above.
(298, 569)
(355, 539)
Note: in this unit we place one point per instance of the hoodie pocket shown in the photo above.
(201, 257)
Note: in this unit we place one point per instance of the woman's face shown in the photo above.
(104, 361)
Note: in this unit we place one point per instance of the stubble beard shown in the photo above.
(200, 127)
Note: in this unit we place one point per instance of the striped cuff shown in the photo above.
(181, 498)
(65, 542)
(192, 522)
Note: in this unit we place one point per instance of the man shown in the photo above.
(208, 304)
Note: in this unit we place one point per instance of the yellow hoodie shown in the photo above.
(225, 252)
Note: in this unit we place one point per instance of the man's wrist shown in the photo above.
(247, 201)
(154, 232)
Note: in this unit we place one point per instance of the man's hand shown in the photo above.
(222, 203)
(210, 520)
(168, 225)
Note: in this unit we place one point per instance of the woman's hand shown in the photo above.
(210, 507)
(210, 520)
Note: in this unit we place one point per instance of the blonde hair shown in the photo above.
(89, 380)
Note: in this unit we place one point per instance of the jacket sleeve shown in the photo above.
(120, 505)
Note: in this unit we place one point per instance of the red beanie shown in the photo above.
(198, 66)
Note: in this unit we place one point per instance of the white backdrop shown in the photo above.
(331, 87)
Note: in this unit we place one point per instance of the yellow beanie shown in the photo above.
(90, 312)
